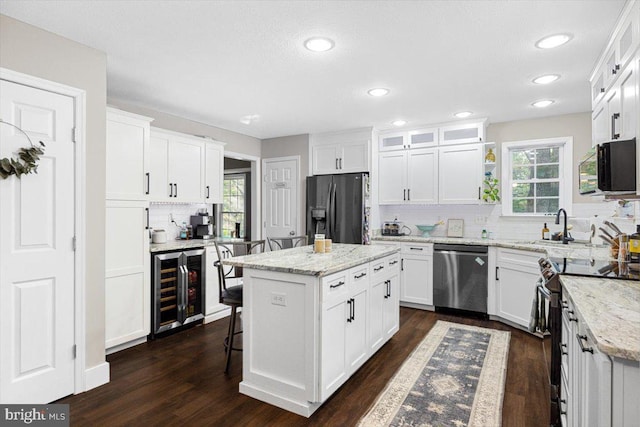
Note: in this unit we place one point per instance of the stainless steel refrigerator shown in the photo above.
(337, 206)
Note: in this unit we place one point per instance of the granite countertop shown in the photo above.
(555, 250)
(303, 261)
(177, 245)
(610, 309)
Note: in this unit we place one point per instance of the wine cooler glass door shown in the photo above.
(194, 297)
(168, 279)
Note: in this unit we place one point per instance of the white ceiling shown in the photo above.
(218, 61)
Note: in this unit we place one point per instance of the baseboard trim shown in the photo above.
(96, 376)
(217, 315)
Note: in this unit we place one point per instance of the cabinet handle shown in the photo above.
(564, 304)
(176, 184)
(478, 193)
(353, 309)
(615, 69)
(147, 210)
(349, 318)
(573, 319)
(404, 194)
(340, 163)
(416, 249)
(394, 262)
(582, 347)
(562, 347)
(360, 276)
(337, 163)
(337, 285)
(409, 194)
(561, 411)
(614, 117)
(376, 269)
(601, 90)
(389, 286)
(497, 275)
(402, 264)
(148, 183)
(170, 190)
(207, 191)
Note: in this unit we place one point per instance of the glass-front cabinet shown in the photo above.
(178, 289)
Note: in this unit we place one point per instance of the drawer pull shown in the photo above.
(360, 276)
(376, 269)
(394, 262)
(416, 249)
(582, 347)
(337, 285)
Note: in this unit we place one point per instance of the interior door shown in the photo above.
(36, 250)
(282, 203)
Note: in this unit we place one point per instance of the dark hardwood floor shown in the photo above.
(178, 380)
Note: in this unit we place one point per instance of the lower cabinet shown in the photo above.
(515, 281)
(359, 313)
(212, 302)
(127, 273)
(416, 273)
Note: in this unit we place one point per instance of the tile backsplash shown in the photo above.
(159, 214)
(488, 217)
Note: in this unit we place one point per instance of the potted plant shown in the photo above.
(492, 190)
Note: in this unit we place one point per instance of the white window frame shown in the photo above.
(565, 145)
(234, 174)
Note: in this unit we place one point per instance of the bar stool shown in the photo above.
(277, 243)
(232, 295)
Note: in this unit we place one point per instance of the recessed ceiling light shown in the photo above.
(399, 123)
(247, 120)
(378, 91)
(463, 114)
(553, 41)
(319, 44)
(546, 79)
(543, 103)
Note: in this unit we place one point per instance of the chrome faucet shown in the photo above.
(565, 233)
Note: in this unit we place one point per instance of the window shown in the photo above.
(537, 176)
(233, 205)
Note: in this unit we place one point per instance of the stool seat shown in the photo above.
(232, 295)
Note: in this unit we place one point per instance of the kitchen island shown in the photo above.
(311, 320)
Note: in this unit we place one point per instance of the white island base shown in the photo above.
(305, 335)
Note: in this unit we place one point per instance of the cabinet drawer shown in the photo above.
(425, 249)
(334, 285)
(379, 267)
(529, 259)
(358, 276)
(393, 263)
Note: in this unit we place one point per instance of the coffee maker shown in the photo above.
(202, 226)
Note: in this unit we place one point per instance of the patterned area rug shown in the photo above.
(455, 377)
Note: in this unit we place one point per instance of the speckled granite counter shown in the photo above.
(556, 250)
(611, 310)
(177, 245)
(304, 261)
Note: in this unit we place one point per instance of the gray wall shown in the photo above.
(236, 142)
(295, 145)
(576, 125)
(39, 53)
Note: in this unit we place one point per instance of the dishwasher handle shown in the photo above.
(479, 254)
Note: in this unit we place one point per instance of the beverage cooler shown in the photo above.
(178, 297)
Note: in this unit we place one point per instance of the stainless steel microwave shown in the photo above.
(617, 166)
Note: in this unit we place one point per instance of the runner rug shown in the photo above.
(455, 377)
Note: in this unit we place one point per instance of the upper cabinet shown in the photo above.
(460, 174)
(341, 152)
(462, 133)
(615, 85)
(185, 168)
(408, 177)
(418, 138)
(127, 155)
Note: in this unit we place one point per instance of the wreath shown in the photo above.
(27, 161)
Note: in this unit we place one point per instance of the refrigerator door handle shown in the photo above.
(332, 231)
(328, 213)
(183, 292)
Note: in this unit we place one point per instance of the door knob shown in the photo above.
(291, 233)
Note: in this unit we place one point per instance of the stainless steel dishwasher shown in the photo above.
(460, 277)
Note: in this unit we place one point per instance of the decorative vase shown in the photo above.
(490, 157)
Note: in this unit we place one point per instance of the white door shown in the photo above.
(281, 197)
(36, 250)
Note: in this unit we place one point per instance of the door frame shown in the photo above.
(256, 174)
(79, 97)
(264, 195)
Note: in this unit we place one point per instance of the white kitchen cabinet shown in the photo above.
(384, 309)
(615, 117)
(460, 174)
(462, 133)
(213, 306)
(177, 167)
(214, 171)
(595, 383)
(416, 273)
(127, 155)
(341, 152)
(127, 273)
(408, 177)
(418, 138)
(515, 280)
(357, 321)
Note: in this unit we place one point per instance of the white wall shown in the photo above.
(31, 50)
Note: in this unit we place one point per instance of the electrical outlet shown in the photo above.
(278, 299)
